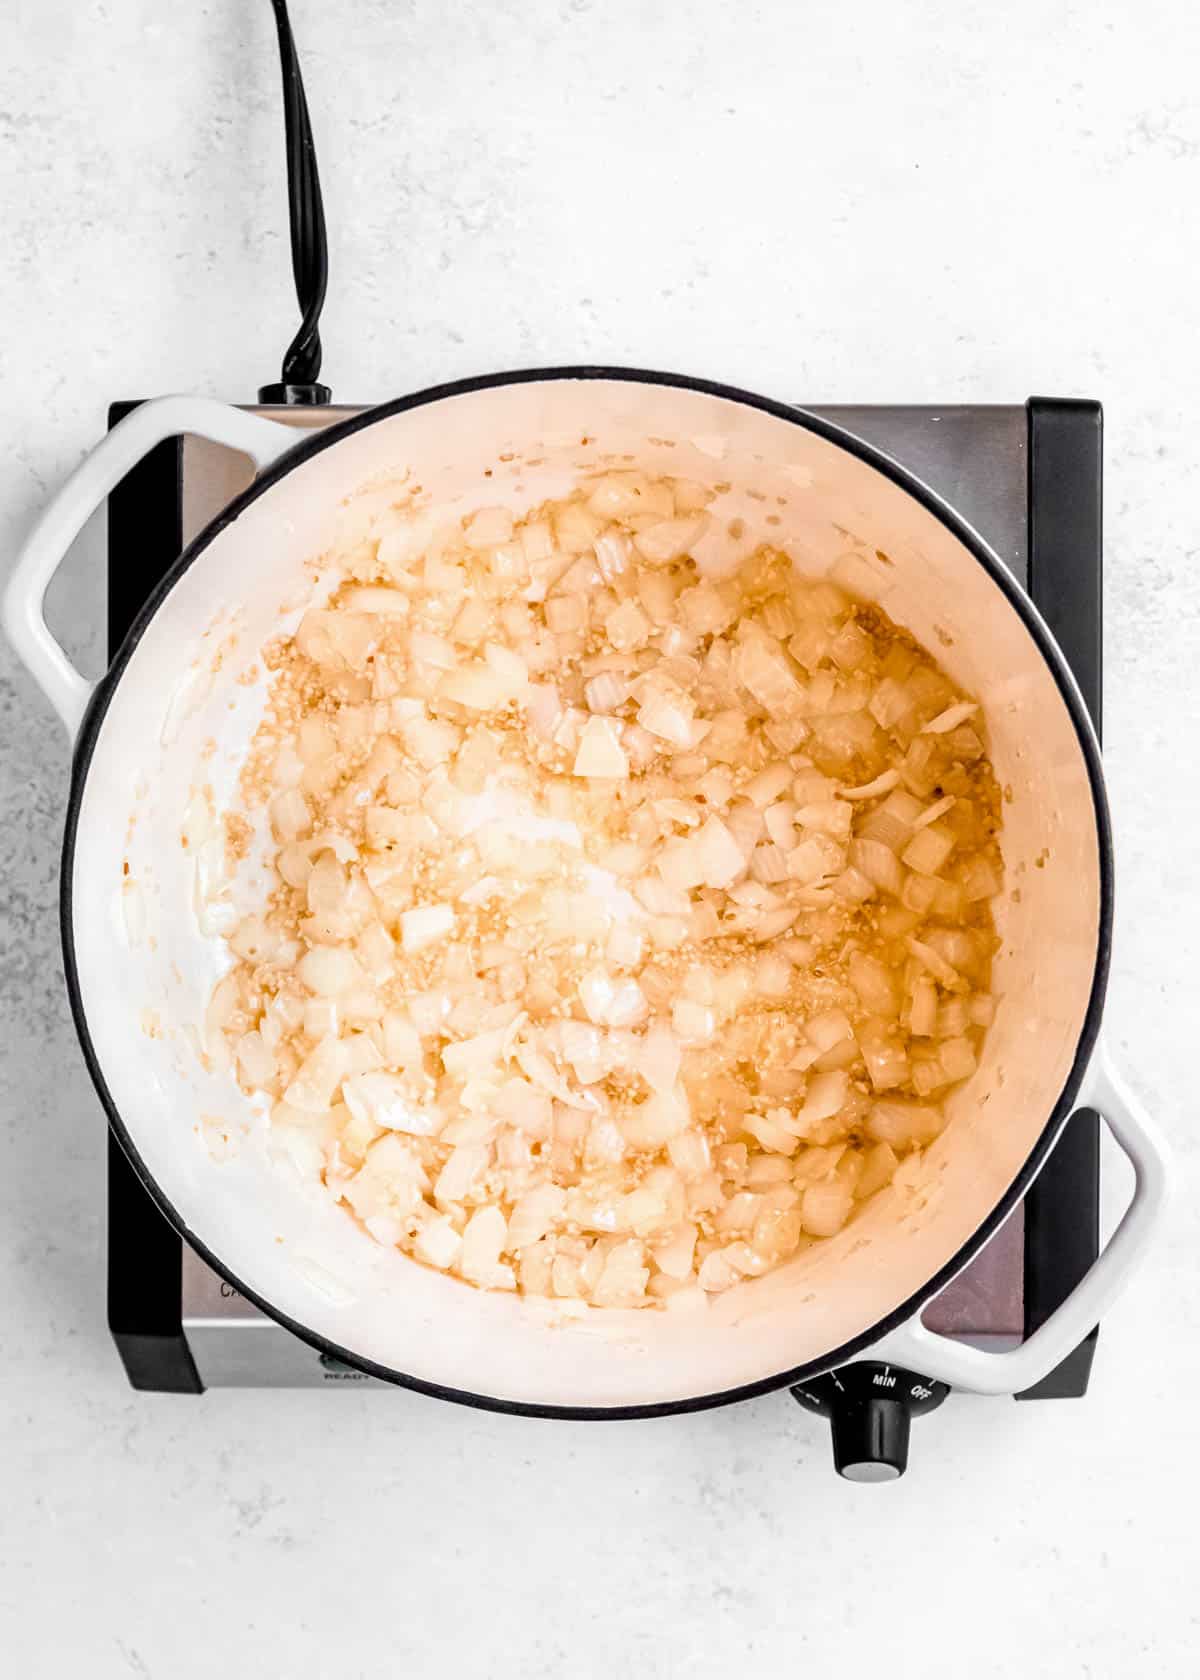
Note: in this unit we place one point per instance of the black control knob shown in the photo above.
(870, 1407)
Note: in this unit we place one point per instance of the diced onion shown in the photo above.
(923, 1010)
(605, 692)
(627, 627)
(879, 864)
(629, 893)
(773, 1136)
(937, 965)
(255, 1060)
(950, 719)
(290, 817)
(768, 864)
(886, 1062)
(425, 926)
(489, 527)
(928, 849)
(668, 539)
(328, 970)
(483, 1240)
(958, 1059)
(612, 550)
(612, 1002)
(693, 1022)
(904, 1125)
(979, 880)
(766, 676)
(831, 817)
(982, 1010)
(825, 1208)
(825, 1097)
(378, 600)
(385, 1101)
(317, 1077)
(767, 786)
(654, 1122)
(667, 715)
(437, 1242)
(600, 754)
(934, 811)
(815, 858)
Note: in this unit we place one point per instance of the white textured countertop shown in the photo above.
(923, 202)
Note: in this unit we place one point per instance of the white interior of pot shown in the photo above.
(145, 972)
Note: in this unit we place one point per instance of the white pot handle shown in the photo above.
(923, 1350)
(99, 473)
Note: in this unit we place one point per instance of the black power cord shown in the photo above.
(298, 384)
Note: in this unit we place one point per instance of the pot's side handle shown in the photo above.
(24, 620)
(921, 1349)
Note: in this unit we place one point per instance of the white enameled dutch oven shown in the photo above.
(184, 680)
